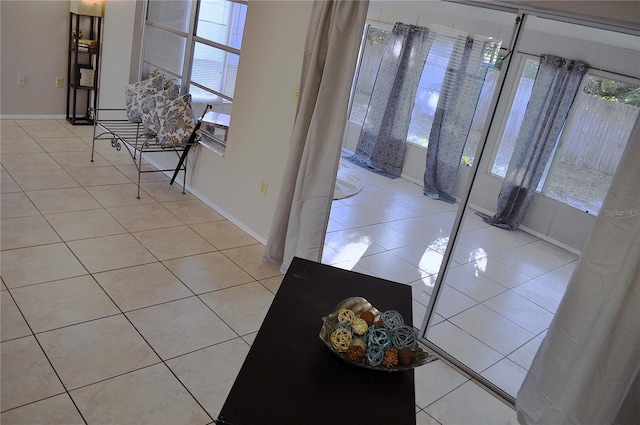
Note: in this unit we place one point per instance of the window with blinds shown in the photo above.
(444, 54)
(197, 44)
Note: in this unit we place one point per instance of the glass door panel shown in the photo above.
(499, 289)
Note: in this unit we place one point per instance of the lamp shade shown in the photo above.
(87, 7)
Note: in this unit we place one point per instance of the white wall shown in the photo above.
(34, 43)
(262, 119)
(117, 47)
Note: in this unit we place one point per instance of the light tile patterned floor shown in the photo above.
(110, 318)
(499, 295)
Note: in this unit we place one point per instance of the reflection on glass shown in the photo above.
(353, 250)
(215, 69)
(173, 14)
(165, 49)
(222, 21)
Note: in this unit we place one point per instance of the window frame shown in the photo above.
(505, 111)
(383, 26)
(441, 34)
(185, 77)
(545, 181)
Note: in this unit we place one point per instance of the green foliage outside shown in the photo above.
(614, 91)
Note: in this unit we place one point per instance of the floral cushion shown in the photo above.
(136, 92)
(153, 102)
(175, 121)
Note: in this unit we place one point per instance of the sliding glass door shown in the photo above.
(484, 296)
(497, 290)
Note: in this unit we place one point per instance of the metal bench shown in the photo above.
(131, 135)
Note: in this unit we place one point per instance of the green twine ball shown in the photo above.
(343, 326)
(375, 354)
(378, 336)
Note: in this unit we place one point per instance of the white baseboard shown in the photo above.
(228, 216)
(412, 180)
(347, 152)
(219, 210)
(532, 232)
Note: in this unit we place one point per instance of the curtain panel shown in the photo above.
(453, 116)
(554, 89)
(586, 369)
(383, 139)
(331, 52)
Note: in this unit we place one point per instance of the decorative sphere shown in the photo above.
(359, 342)
(403, 336)
(346, 316)
(341, 339)
(390, 357)
(405, 356)
(391, 319)
(368, 317)
(356, 354)
(378, 336)
(343, 326)
(359, 326)
(375, 354)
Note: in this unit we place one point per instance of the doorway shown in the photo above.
(499, 289)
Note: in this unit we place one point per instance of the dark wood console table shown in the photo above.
(291, 377)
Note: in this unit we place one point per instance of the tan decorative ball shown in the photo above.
(359, 326)
(346, 316)
(341, 339)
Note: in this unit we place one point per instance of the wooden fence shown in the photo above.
(597, 133)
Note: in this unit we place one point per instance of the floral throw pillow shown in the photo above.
(136, 92)
(175, 121)
(153, 102)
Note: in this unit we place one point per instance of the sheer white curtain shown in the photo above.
(586, 369)
(304, 202)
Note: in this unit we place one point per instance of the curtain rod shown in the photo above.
(592, 67)
(572, 17)
(410, 26)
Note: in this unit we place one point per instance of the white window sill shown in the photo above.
(213, 144)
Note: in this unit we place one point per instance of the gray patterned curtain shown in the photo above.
(383, 138)
(452, 121)
(554, 89)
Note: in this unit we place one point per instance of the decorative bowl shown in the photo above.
(359, 305)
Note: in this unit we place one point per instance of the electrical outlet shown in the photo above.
(59, 82)
(263, 187)
(296, 94)
(22, 80)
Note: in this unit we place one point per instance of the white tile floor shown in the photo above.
(500, 294)
(123, 310)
